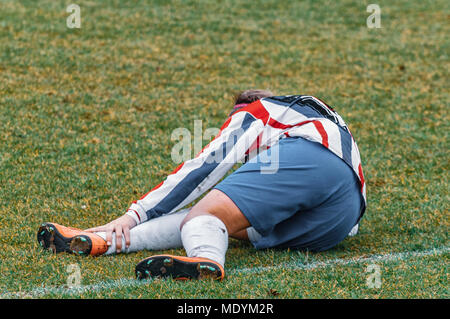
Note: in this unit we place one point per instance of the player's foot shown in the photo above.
(58, 238)
(181, 268)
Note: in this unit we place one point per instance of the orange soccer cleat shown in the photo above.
(59, 239)
(177, 267)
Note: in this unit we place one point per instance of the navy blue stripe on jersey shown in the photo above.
(283, 100)
(305, 110)
(195, 177)
(346, 143)
(305, 105)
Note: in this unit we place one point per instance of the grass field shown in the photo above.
(86, 118)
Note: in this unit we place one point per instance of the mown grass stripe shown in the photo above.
(121, 283)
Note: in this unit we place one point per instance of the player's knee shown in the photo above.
(195, 212)
(218, 204)
(191, 215)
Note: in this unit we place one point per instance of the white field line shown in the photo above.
(345, 262)
(121, 283)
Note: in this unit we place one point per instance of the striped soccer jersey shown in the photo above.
(253, 128)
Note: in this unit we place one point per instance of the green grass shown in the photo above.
(86, 117)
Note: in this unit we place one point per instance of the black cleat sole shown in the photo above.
(173, 267)
(49, 238)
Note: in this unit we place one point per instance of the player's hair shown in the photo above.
(249, 96)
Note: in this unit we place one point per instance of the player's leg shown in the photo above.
(204, 234)
(156, 234)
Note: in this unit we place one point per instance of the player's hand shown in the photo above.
(120, 226)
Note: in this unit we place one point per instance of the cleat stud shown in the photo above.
(42, 232)
(168, 262)
(211, 268)
(83, 239)
(149, 261)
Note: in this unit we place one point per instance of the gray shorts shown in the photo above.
(310, 203)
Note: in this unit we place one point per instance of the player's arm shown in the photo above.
(192, 178)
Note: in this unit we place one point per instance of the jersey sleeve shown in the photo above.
(193, 177)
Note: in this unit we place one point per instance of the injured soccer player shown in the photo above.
(301, 186)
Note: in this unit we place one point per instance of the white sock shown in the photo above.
(354, 231)
(205, 236)
(156, 234)
(253, 235)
